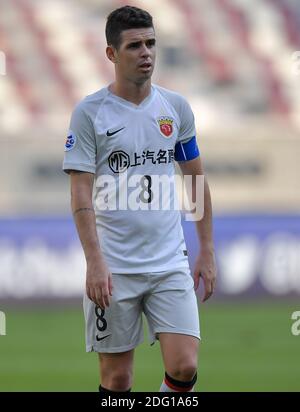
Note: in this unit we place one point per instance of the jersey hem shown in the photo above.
(93, 348)
(145, 269)
(153, 338)
(78, 166)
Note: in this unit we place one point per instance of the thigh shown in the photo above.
(171, 305)
(116, 370)
(178, 350)
(115, 361)
(118, 328)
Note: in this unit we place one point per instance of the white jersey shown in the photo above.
(112, 137)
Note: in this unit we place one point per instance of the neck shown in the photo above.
(133, 92)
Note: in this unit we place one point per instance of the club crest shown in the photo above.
(165, 126)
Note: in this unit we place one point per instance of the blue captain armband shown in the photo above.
(186, 151)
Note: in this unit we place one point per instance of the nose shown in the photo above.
(145, 52)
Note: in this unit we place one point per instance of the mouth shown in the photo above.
(145, 66)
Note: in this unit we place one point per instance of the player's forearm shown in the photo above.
(204, 226)
(84, 217)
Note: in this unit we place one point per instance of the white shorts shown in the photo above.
(167, 299)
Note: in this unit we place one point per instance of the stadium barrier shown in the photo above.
(256, 256)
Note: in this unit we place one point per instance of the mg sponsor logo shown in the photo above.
(119, 161)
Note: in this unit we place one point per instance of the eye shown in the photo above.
(134, 45)
(150, 43)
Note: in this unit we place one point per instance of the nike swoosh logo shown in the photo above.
(108, 133)
(103, 337)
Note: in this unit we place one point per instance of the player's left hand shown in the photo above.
(205, 267)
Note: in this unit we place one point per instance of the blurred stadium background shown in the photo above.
(233, 60)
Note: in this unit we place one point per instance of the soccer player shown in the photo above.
(136, 257)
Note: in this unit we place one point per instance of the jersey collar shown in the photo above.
(131, 105)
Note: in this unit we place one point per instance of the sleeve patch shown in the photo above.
(70, 142)
(186, 151)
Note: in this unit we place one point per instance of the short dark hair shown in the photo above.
(125, 18)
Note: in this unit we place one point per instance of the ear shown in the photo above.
(111, 54)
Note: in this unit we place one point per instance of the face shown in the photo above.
(135, 58)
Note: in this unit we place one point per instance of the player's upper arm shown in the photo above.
(186, 147)
(82, 184)
(80, 147)
(192, 167)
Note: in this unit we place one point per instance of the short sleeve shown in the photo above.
(186, 147)
(187, 122)
(80, 146)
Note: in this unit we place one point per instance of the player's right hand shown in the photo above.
(99, 283)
